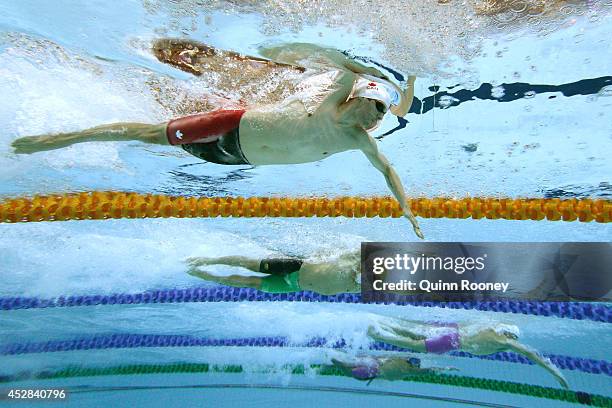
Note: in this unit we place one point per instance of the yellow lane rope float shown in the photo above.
(98, 205)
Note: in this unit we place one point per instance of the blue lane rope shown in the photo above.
(571, 310)
(115, 341)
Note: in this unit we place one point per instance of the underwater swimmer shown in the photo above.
(476, 339)
(331, 111)
(286, 275)
(367, 368)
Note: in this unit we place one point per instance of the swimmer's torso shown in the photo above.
(341, 276)
(472, 337)
(395, 368)
(300, 129)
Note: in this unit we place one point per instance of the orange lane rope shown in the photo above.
(98, 205)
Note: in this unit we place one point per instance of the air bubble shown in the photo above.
(594, 18)
(446, 101)
(567, 10)
(605, 91)
(529, 94)
(498, 92)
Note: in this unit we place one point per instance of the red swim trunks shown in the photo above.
(211, 136)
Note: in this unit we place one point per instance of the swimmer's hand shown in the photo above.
(415, 224)
(540, 360)
(557, 374)
(380, 162)
(562, 381)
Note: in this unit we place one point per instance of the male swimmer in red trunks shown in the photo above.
(331, 112)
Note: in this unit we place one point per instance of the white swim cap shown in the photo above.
(370, 87)
(504, 329)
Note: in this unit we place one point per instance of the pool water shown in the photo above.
(70, 65)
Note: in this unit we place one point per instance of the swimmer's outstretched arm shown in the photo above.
(312, 56)
(154, 134)
(378, 160)
(543, 362)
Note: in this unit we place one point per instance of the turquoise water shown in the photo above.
(70, 65)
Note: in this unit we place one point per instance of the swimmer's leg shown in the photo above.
(345, 366)
(390, 337)
(239, 261)
(401, 330)
(232, 280)
(270, 266)
(155, 134)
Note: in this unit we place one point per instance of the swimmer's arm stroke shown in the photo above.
(343, 86)
(378, 160)
(311, 56)
(543, 362)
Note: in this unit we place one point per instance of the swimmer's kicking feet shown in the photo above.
(439, 338)
(286, 275)
(332, 112)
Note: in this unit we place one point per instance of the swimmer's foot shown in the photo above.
(200, 274)
(194, 262)
(373, 332)
(33, 144)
